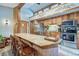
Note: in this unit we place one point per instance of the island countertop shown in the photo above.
(37, 39)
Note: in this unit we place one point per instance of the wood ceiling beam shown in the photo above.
(45, 7)
(20, 5)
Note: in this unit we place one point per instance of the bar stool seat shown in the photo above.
(28, 51)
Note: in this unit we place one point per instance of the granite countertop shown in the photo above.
(37, 39)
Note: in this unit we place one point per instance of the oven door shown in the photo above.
(64, 37)
(68, 37)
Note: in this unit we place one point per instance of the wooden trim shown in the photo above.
(17, 18)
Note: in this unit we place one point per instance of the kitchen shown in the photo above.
(43, 29)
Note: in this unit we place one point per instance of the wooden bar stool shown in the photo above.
(23, 51)
(7, 41)
(13, 48)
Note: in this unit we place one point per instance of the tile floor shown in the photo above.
(6, 51)
(63, 51)
(66, 51)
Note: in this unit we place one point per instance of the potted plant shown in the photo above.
(1, 39)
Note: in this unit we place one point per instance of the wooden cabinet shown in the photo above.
(71, 16)
(64, 18)
(76, 16)
(48, 22)
(23, 27)
(58, 20)
(31, 27)
(54, 20)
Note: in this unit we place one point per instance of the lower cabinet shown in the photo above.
(53, 51)
(77, 40)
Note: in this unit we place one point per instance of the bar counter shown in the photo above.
(38, 42)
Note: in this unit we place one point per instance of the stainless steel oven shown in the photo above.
(69, 30)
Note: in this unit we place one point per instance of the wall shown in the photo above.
(6, 13)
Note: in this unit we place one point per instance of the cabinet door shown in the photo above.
(76, 16)
(54, 20)
(23, 27)
(64, 18)
(59, 20)
(71, 16)
(31, 28)
(47, 22)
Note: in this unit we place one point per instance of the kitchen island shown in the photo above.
(38, 42)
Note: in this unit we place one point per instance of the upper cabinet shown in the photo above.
(58, 20)
(64, 18)
(48, 22)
